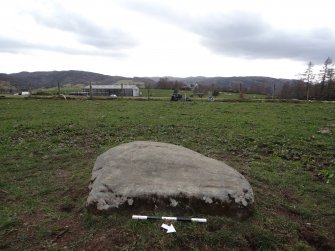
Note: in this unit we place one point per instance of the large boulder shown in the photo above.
(146, 176)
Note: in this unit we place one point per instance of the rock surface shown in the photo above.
(144, 175)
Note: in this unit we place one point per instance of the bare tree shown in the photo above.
(324, 74)
(308, 78)
(148, 88)
(331, 83)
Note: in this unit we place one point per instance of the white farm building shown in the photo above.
(115, 89)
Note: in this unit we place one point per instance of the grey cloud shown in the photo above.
(86, 31)
(111, 42)
(241, 34)
(156, 9)
(247, 35)
(114, 39)
(9, 45)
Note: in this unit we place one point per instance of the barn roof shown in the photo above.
(115, 86)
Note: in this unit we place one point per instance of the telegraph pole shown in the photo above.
(91, 95)
(58, 88)
(273, 90)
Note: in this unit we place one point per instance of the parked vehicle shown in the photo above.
(176, 97)
(179, 97)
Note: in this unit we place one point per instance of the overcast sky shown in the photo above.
(167, 38)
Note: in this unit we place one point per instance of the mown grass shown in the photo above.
(48, 148)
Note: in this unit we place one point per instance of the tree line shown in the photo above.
(312, 85)
(197, 89)
(165, 83)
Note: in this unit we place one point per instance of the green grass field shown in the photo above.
(48, 148)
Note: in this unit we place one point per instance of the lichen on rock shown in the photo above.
(156, 175)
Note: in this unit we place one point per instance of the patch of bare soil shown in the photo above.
(313, 237)
(73, 233)
(68, 232)
(111, 239)
(26, 229)
(324, 130)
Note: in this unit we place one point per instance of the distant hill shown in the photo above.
(26, 80)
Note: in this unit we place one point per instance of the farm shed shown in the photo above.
(116, 89)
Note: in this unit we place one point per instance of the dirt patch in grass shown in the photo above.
(111, 239)
(313, 237)
(68, 233)
(42, 233)
(25, 231)
(288, 213)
